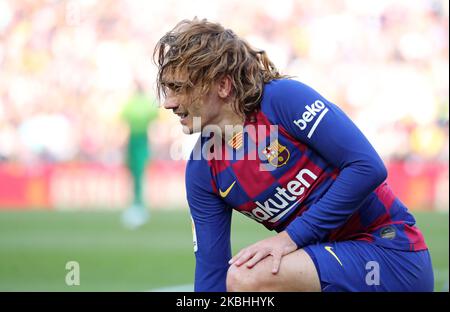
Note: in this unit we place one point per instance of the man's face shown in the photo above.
(187, 106)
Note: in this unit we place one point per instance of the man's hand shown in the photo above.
(276, 246)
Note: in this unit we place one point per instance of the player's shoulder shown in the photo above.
(285, 87)
(284, 97)
(281, 92)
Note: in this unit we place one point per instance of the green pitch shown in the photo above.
(36, 245)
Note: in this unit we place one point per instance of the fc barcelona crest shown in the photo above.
(277, 154)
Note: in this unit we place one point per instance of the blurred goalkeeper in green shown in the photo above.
(138, 112)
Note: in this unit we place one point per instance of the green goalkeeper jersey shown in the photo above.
(138, 113)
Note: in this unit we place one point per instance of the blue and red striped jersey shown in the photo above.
(301, 165)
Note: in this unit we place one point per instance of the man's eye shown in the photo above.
(174, 87)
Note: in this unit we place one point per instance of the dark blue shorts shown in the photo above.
(362, 266)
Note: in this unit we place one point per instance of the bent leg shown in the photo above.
(297, 273)
(343, 266)
(364, 266)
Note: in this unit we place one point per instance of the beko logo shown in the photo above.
(310, 114)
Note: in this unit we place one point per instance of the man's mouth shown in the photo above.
(182, 116)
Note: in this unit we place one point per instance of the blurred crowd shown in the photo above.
(68, 67)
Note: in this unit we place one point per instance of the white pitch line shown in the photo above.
(440, 275)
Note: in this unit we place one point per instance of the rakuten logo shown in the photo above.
(310, 114)
(284, 200)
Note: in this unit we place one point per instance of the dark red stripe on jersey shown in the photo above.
(302, 147)
(220, 160)
(251, 178)
(214, 186)
(352, 228)
(304, 163)
(385, 195)
(415, 238)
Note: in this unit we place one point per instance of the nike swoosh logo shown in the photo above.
(330, 250)
(228, 190)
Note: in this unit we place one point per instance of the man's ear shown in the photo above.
(224, 87)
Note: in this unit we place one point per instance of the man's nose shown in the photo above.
(170, 103)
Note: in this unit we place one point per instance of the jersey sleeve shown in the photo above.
(326, 129)
(211, 219)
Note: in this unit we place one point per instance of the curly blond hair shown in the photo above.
(205, 52)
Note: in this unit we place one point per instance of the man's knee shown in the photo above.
(241, 279)
(297, 273)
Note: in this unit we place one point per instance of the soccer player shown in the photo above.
(315, 180)
(138, 112)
